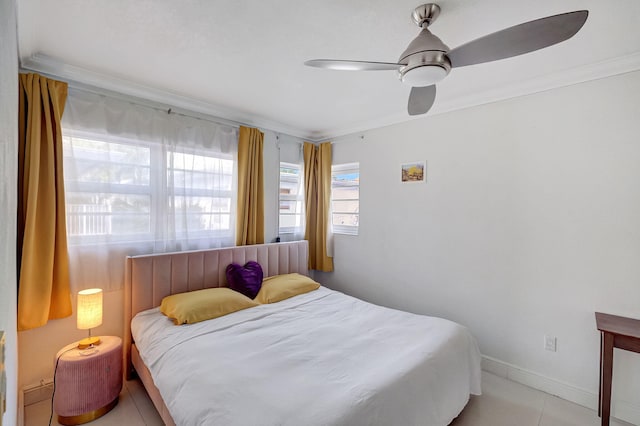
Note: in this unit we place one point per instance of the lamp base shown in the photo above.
(89, 341)
(87, 417)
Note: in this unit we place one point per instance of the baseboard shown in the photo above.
(619, 409)
(20, 408)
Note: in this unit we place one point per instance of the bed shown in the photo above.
(319, 358)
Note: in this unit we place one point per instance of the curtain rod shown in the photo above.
(162, 107)
(158, 106)
(102, 84)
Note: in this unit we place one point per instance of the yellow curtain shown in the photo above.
(250, 226)
(317, 186)
(43, 284)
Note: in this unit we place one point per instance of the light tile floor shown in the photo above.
(502, 403)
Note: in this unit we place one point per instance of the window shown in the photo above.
(140, 179)
(290, 198)
(199, 192)
(345, 198)
(119, 190)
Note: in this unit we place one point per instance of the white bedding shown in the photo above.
(321, 358)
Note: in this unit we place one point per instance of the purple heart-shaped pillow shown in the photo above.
(245, 279)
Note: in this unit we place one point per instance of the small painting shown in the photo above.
(414, 172)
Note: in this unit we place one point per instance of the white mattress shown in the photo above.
(321, 358)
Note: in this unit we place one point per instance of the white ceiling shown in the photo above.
(243, 60)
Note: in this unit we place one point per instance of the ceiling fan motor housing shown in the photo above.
(425, 14)
(425, 60)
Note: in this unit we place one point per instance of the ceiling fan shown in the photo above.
(427, 60)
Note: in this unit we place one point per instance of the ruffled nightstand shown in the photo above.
(88, 381)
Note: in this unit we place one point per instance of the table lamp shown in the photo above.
(89, 314)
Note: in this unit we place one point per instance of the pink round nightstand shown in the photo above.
(88, 382)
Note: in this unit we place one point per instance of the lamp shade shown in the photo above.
(89, 308)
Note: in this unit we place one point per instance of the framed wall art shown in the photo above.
(415, 171)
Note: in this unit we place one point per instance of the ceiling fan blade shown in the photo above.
(338, 64)
(421, 99)
(520, 39)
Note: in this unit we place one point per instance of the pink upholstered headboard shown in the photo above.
(149, 278)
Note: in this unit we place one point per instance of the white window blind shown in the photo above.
(291, 199)
(345, 198)
(110, 193)
(200, 194)
(108, 190)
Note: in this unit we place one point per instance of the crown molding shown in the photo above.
(80, 77)
(577, 75)
(83, 78)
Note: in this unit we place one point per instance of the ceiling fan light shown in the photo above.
(425, 75)
(345, 67)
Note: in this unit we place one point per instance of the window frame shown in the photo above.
(286, 230)
(200, 192)
(157, 190)
(344, 169)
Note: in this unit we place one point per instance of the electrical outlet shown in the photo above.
(550, 343)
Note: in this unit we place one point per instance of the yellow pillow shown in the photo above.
(280, 287)
(200, 305)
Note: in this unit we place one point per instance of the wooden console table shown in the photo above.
(615, 332)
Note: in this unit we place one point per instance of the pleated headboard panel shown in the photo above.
(149, 278)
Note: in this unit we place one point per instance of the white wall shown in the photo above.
(38, 347)
(8, 194)
(529, 222)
